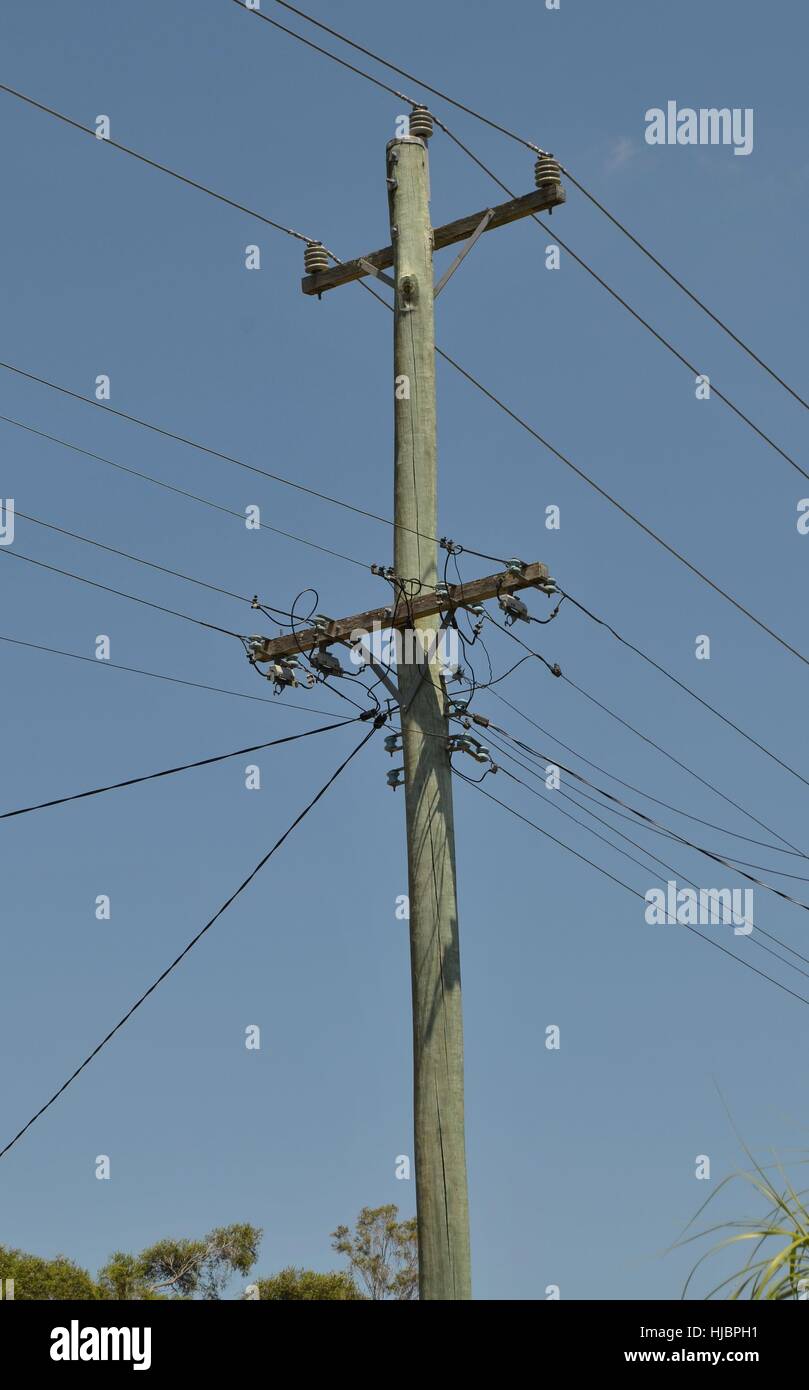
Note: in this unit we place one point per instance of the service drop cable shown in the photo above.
(169, 771)
(143, 997)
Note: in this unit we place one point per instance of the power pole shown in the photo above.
(438, 1065)
(435, 961)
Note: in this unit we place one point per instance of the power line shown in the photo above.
(280, 227)
(133, 419)
(689, 815)
(627, 887)
(180, 492)
(361, 511)
(659, 748)
(143, 997)
(669, 867)
(273, 611)
(645, 737)
(694, 298)
(192, 443)
(619, 506)
(479, 386)
(120, 593)
(760, 931)
(216, 453)
(644, 850)
(602, 622)
(170, 771)
(551, 231)
(138, 560)
(520, 140)
(649, 824)
(153, 163)
(173, 680)
(603, 493)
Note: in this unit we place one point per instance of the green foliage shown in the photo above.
(123, 1278)
(777, 1266)
(306, 1285)
(382, 1253)
(183, 1268)
(35, 1278)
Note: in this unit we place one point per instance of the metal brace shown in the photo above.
(464, 251)
(372, 270)
(379, 671)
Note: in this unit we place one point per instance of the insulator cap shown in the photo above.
(315, 258)
(421, 122)
(547, 171)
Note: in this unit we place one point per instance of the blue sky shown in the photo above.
(581, 1161)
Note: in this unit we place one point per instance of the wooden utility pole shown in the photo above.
(435, 962)
(419, 600)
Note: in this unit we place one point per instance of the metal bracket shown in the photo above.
(464, 251)
(372, 270)
(389, 684)
(380, 673)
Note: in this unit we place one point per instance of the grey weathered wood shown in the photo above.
(442, 1203)
(400, 615)
(541, 200)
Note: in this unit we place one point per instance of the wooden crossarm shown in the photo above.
(400, 615)
(541, 200)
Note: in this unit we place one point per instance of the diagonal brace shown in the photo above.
(464, 251)
(374, 270)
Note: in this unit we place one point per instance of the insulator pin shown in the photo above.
(547, 171)
(315, 258)
(421, 122)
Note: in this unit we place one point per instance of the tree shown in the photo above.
(123, 1278)
(382, 1253)
(307, 1285)
(183, 1268)
(36, 1278)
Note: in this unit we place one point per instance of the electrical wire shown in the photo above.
(760, 931)
(216, 453)
(689, 815)
(153, 163)
(646, 739)
(551, 231)
(450, 360)
(180, 492)
(520, 140)
(613, 501)
(120, 593)
(602, 492)
(628, 888)
(655, 827)
(602, 622)
(158, 676)
(126, 555)
(170, 771)
(169, 968)
(133, 419)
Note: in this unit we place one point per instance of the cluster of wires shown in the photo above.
(474, 676)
